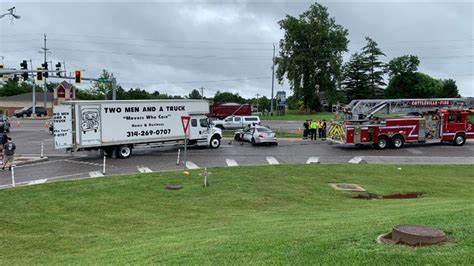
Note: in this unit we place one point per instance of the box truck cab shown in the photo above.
(117, 127)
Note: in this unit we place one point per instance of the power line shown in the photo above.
(197, 81)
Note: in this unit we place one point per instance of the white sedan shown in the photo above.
(256, 135)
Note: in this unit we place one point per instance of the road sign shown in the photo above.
(103, 80)
(185, 123)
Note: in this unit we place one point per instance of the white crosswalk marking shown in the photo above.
(357, 160)
(312, 160)
(191, 165)
(143, 169)
(272, 160)
(414, 151)
(39, 181)
(231, 162)
(95, 174)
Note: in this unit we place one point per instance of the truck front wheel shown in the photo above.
(124, 151)
(215, 142)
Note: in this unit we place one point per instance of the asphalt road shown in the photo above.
(61, 165)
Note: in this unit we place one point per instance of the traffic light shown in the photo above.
(39, 75)
(58, 68)
(1, 67)
(24, 66)
(78, 76)
(45, 67)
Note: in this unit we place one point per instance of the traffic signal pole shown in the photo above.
(33, 100)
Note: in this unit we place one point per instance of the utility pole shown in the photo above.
(114, 88)
(202, 93)
(273, 80)
(257, 101)
(45, 88)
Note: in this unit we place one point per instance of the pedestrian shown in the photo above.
(323, 129)
(3, 138)
(8, 154)
(320, 129)
(313, 127)
(306, 129)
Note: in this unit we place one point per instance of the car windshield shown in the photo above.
(265, 130)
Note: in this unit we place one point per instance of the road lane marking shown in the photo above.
(96, 174)
(143, 169)
(81, 162)
(231, 162)
(312, 160)
(414, 151)
(191, 165)
(272, 160)
(357, 160)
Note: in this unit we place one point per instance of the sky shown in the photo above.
(174, 47)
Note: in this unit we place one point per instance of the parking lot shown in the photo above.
(62, 165)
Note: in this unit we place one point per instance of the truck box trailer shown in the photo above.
(224, 110)
(117, 127)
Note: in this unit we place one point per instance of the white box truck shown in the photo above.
(119, 126)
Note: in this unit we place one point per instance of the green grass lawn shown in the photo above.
(285, 214)
(292, 116)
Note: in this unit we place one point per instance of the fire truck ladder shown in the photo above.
(370, 107)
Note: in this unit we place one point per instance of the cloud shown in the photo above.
(175, 47)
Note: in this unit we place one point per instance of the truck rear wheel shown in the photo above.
(459, 140)
(215, 142)
(124, 151)
(397, 142)
(382, 143)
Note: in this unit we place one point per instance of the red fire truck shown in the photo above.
(428, 120)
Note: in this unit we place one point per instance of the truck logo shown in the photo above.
(90, 120)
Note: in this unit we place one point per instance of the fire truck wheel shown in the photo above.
(397, 142)
(459, 140)
(382, 142)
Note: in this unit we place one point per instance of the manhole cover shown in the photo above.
(414, 235)
(347, 187)
(174, 187)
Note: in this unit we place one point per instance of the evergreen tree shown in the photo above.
(374, 69)
(356, 81)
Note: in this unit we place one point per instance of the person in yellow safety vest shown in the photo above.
(313, 128)
(320, 129)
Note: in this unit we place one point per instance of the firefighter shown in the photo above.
(313, 129)
(306, 129)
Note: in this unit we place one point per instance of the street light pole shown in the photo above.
(273, 79)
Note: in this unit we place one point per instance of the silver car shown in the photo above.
(256, 135)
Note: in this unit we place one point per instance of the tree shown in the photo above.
(311, 54)
(403, 65)
(413, 85)
(374, 67)
(228, 97)
(194, 94)
(449, 89)
(102, 88)
(356, 83)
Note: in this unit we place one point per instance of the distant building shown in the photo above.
(8, 105)
(63, 92)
